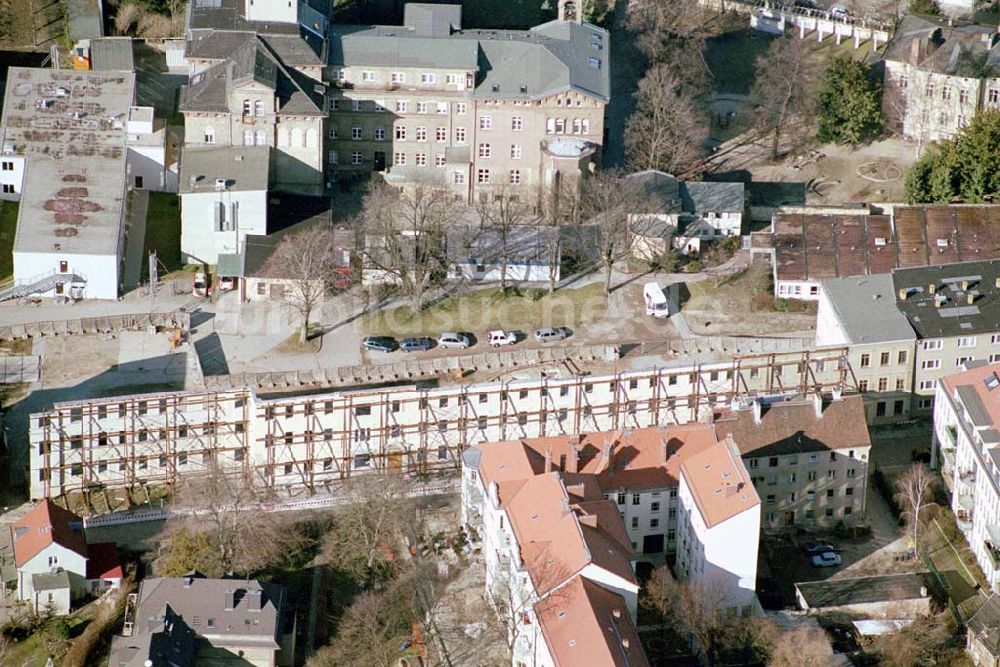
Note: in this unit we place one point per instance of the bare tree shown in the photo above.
(784, 88)
(501, 217)
(606, 200)
(805, 646)
(928, 641)
(246, 537)
(511, 600)
(673, 31)
(914, 491)
(667, 130)
(368, 527)
(305, 263)
(405, 236)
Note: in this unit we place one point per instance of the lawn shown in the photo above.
(163, 232)
(8, 225)
(487, 309)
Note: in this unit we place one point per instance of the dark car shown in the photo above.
(416, 344)
(380, 343)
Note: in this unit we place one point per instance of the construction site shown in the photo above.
(299, 445)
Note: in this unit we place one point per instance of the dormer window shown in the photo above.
(594, 63)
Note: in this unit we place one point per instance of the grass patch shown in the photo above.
(163, 232)
(487, 309)
(8, 226)
(18, 347)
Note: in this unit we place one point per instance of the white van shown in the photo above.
(656, 301)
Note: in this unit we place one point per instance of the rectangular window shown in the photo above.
(635, 498)
(369, 77)
(883, 359)
(401, 132)
(421, 107)
(379, 134)
(967, 341)
(441, 134)
(932, 345)
(486, 122)
(420, 159)
(357, 158)
(515, 151)
(461, 108)
(398, 77)
(930, 364)
(514, 177)
(901, 357)
(459, 135)
(399, 158)
(621, 497)
(517, 123)
(926, 385)
(428, 78)
(458, 178)
(402, 106)
(357, 133)
(439, 160)
(483, 176)
(485, 151)
(421, 134)
(866, 360)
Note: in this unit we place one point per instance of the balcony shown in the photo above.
(963, 515)
(991, 543)
(950, 437)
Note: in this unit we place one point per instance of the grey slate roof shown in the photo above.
(862, 590)
(304, 50)
(50, 581)
(171, 611)
(985, 624)
(244, 168)
(510, 64)
(865, 307)
(252, 61)
(658, 191)
(526, 244)
(112, 53)
(955, 316)
(974, 406)
(931, 44)
(707, 197)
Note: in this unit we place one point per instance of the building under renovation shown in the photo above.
(302, 443)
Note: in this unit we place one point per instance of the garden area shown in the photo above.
(163, 233)
(8, 228)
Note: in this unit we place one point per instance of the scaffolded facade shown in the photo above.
(310, 442)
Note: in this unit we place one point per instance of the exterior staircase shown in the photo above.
(39, 284)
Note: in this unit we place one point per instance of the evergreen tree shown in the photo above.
(965, 168)
(850, 103)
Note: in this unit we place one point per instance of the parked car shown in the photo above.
(200, 285)
(227, 283)
(498, 338)
(825, 559)
(416, 344)
(821, 548)
(550, 335)
(380, 343)
(839, 11)
(450, 339)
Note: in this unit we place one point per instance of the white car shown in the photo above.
(498, 338)
(826, 559)
(200, 285)
(453, 340)
(550, 334)
(839, 11)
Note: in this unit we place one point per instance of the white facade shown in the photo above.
(517, 272)
(966, 448)
(721, 557)
(213, 223)
(275, 11)
(11, 176)
(48, 560)
(99, 273)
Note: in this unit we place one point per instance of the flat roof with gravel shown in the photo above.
(70, 128)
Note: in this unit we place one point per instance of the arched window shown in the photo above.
(282, 136)
(296, 141)
(258, 108)
(310, 139)
(246, 107)
(248, 137)
(209, 135)
(261, 138)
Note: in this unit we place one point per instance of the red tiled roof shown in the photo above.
(103, 562)
(719, 483)
(793, 426)
(585, 624)
(45, 524)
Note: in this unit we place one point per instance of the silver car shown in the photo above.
(550, 334)
(453, 340)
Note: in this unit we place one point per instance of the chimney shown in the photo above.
(903, 293)
(970, 298)
(996, 283)
(939, 300)
(548, 460)
(617, 613)
(664, 451)
(965, 285)
(573, 462)
(625, 643)
(589, 520)
(932, 288)
(731, 490)
(255, 599)
(230, 599)
(818, 404)
(756, 412)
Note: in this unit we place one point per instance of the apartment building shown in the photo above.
(550, 542)
(305, 442)
(807, 458)
(473, 111)
(952, 310)
(938, 75)
(858, 313)
(966, 447)
(252, 98)
(719, 528)
(809, 245)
